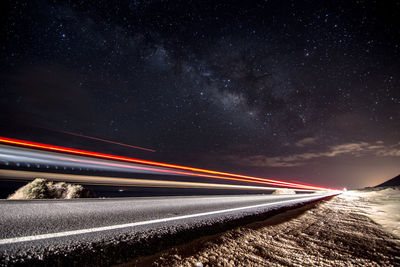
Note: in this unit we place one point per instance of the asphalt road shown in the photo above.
(36, 225)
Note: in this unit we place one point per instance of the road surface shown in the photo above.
(53, 225)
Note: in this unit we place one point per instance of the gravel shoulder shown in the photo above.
(343, 231)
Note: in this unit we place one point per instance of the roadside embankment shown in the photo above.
(338, 232)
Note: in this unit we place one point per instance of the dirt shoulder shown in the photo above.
(337, 232)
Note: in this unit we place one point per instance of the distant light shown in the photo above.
(345, 189)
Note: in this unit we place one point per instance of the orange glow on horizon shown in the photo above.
(222, 175)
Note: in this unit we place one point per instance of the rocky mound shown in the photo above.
(43, 189)
(284, 192)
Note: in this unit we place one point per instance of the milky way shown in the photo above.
(300, 90)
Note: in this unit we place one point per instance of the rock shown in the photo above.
(284, 192)
(43, 189)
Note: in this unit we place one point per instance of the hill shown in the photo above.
(392, 182)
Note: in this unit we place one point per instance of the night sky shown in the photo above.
(299, 90)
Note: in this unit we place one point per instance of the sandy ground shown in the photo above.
(382, 206)
(343, 231)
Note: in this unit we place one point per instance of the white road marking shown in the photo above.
(13, 240)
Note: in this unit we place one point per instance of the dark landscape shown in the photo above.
(199, 133)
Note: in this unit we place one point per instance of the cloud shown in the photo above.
(355, 149)
(391, 151)
(306, 141)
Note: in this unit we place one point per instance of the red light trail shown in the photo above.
(160, 164)
(104, 140)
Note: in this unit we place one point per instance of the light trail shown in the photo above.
(118, 181)
(104, 140)
(160, 164)
(28, 155)
(169, 171)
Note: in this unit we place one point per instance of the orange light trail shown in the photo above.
(120, 181)
(160, 164)
(172, 172)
